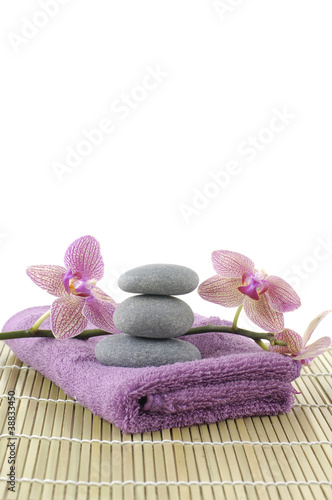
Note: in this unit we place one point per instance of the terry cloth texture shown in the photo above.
(235, 378)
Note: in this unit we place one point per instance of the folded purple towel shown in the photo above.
(235, 378)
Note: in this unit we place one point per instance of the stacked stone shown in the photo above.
(151, 321)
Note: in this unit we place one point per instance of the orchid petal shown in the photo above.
(66, 280)
(83, 256)
(294, 342)
(101, 295)
(281, 296)
(316, 348)
(231, 264)
(250, 291)
(100, 313)
(67, 319)
(48, 278)
(223, 291)
(312, 325)
(262, 315)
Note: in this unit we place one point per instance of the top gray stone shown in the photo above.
(159, 279)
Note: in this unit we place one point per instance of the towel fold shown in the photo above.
(235, 378)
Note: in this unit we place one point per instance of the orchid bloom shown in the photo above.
(297, 345)
(80, 300)
(265, 298)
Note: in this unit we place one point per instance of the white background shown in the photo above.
(227, 73)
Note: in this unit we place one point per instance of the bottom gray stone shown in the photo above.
(135, 352)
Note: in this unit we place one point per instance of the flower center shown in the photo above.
(77, 285)
(254, 284)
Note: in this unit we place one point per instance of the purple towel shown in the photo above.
(235, 378)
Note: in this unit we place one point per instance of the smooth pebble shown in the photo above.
(127, 351)
(153, 316)
(159, 279)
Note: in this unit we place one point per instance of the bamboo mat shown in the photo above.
(65, 452)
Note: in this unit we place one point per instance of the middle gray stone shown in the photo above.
(153, 316)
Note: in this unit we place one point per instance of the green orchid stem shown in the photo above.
(239, 331)
(256, 336)
(39, 321)
(261, 344)
(24, 334)
(236, 317)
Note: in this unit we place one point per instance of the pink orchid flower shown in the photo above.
(297, 345)
(265, 298)
(80, 300)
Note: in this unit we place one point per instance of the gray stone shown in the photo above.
(127, 351)
(159, 279)
(154, 316)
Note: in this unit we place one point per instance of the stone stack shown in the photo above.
(151, 321)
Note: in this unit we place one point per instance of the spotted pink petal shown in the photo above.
(100, 313)
(223, 291)
(48, 278)
(312, 325)
(231, 264)
(315, 348)
(281, 296)
(262, 315)
(67, 319)
(293, 339)
(83, 256)
(101, 295)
